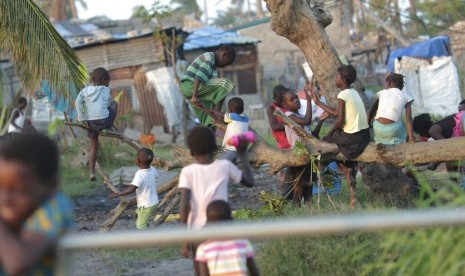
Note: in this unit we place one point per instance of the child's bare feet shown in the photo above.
(92, 177)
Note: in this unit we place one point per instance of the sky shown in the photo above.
(122, 9)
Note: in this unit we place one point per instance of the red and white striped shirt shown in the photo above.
(225, 257)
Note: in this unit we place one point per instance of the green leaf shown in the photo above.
(38, 50)
(299, 149)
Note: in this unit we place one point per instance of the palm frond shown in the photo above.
(38, 50)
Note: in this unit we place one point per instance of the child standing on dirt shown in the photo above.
(144, 184)
(33, 214)
(225, 257)
(350, 132)
(95, 108)
(388, 126)
(238, 123)
(207, 180)
(201, 85)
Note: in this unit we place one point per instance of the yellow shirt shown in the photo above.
(355, 114)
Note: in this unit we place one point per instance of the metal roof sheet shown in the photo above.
(210, 36)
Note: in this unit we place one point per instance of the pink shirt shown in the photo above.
(225, 257)
(207, 183)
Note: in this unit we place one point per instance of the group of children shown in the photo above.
(33, 214)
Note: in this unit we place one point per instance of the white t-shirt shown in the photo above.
(19, 121)
(391, 104)
(146, 193)
(207, 183)
(355, 113)
(237, 124)
(291, 136)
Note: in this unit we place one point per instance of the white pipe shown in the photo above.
(309, 226)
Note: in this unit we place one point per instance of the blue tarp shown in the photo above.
(61, 103)
(435, 47)
(209, 36)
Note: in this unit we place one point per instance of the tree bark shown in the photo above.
(304, 26)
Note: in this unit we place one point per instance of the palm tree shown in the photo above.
(187, 7)
(37, 49)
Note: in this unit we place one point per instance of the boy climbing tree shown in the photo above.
(97, 111)
(201, 85)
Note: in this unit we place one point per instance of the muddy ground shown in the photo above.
(92, 210)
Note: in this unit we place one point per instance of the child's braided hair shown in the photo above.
(348, 74)
(396, 79)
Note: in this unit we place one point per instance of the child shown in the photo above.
(297, 180)
(449, 127)
(18, 118)
(201, 85)
(388, 125)
(144, 184)
(462, 105)
(224, 257)
(276, 124)
(95, 107)
(201, 183)
(238, 123)
(33, 215)
(350, 132)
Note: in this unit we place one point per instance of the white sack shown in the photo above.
(434, 86)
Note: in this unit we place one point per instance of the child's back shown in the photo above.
(207, 182)
(146, 193)
(388, 125)
(145, 186)
(355, 114)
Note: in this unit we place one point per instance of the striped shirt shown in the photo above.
(225, 257)
(202, 68)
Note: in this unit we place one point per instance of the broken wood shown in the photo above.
(169, 209)
(117, 212)
(120, 136)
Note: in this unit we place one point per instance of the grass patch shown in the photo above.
(75, 177)
(144, 254)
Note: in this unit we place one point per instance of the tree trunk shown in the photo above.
(396, 18)
(72, 6)
(303, 25)
(413, 16)
(259, 8)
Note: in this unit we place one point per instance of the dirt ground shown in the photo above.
(92, 210)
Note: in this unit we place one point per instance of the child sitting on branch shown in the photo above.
(96, 109)
(351, 131)
(238, 123)
(201, 85)
(388, 125)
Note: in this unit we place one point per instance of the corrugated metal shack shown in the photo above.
(243, 72)
(127, 57)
